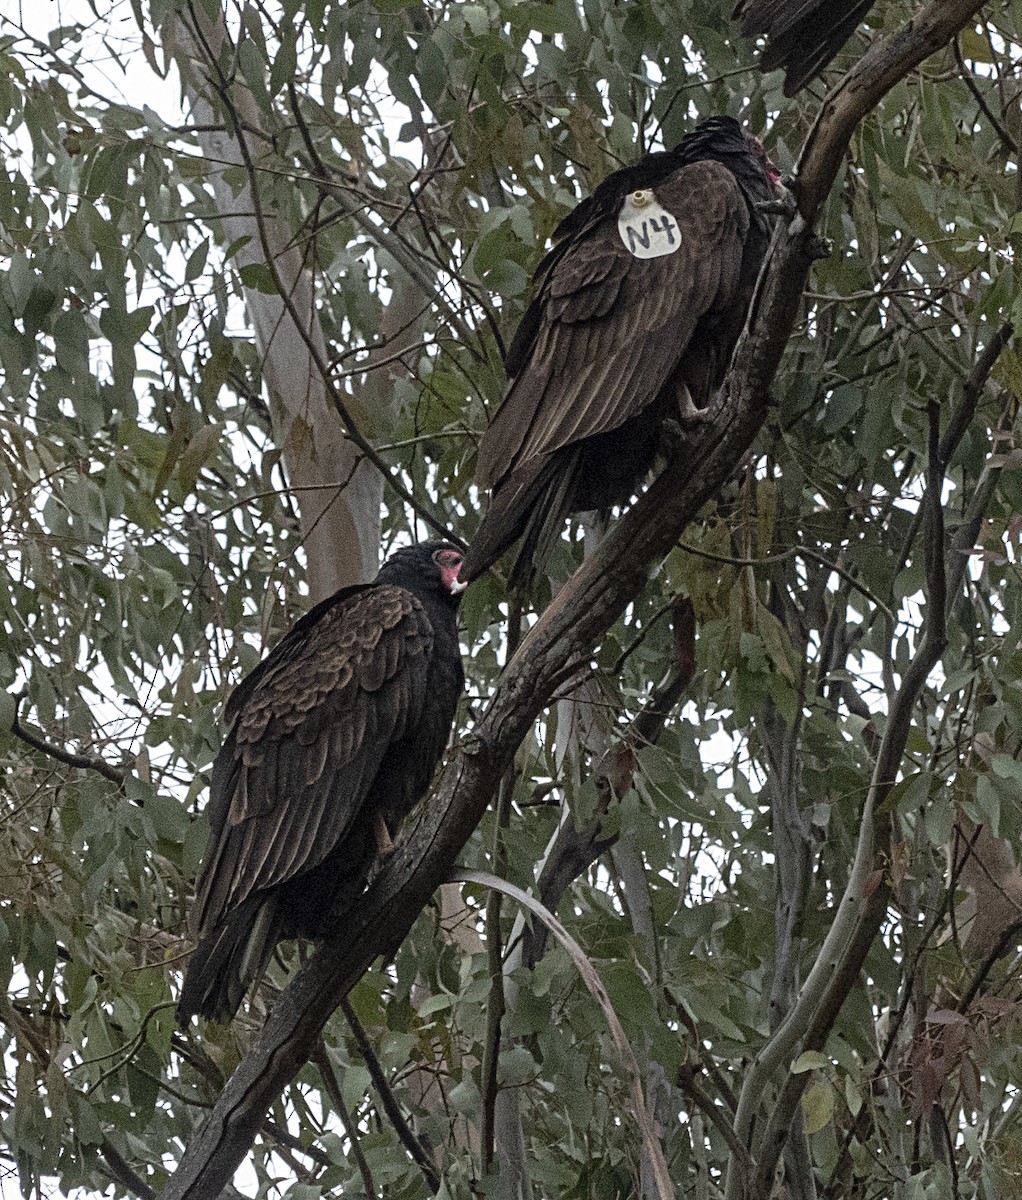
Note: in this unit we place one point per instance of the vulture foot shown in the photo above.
(384, 842)
(783, 204)
(688, 412)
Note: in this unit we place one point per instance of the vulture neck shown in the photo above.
(422, 581)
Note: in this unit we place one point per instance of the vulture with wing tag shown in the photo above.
(331, 741)
(640, 304)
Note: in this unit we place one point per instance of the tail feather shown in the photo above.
(804, 37)
(504, 522)
(544, 524)
(531, 506)
(228, 959)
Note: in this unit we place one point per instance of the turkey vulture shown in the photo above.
(804, 34)
(640, 304)
(332, 739)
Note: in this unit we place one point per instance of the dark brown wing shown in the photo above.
(614, 327)
(804, 35)
(308, 736)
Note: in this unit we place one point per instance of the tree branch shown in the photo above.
(85, 762)
(496, 1004)
(662, 1188)
(717, 1116)
(390, 1106)
(120, 1171)
(861, 909)
(326, 1072)
(885, 64)
(574, 850)
(851, 931)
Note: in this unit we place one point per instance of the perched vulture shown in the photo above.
(640, 304)
(332, 739)
(804, 34)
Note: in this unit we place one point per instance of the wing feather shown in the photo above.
(307, 742)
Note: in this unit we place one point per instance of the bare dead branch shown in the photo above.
(86, 762)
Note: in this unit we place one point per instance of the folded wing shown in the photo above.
(307, 741)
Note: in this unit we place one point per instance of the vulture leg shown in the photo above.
(688, 411)
(384, 842)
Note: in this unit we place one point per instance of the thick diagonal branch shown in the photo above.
(576, 621)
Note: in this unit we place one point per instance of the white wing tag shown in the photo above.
(647, 229)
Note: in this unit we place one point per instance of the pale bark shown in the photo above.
(338, 495)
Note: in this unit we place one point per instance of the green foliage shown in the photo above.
(152, 551)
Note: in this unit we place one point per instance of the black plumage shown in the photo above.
(614, 345)
(804, 35)
(331, 741)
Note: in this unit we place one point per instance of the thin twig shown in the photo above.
(333, 1090)
(967, 75)
(785, 556)
(390, 1106)
(496, 1001)
(705, 1103)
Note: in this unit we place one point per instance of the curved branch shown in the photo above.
(885, 64)
(591, 979)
